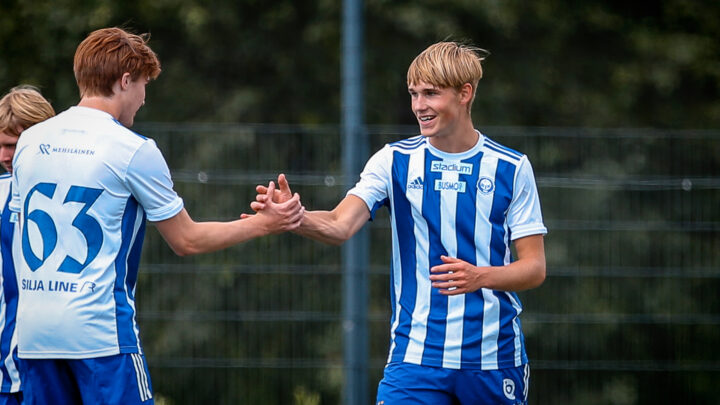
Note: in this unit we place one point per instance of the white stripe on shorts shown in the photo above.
(142, 381)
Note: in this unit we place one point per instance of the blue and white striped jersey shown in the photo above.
(8, 292)
(467, 205)
(84, 186)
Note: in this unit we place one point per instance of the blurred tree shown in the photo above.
(606, 64)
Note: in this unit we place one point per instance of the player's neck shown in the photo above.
(107, 104)
(456, 140)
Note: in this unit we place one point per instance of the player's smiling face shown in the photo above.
(437, 109)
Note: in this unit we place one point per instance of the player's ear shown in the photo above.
(125, 80)
(466, 93)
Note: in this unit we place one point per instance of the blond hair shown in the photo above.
(448, 64)
(22, 107)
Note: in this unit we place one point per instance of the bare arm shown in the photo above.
(336, 226)
(331, 227)
(187, 237)
(525, 273)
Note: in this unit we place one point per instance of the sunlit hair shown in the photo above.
(106, 54)
(23, 106)
(448, 65)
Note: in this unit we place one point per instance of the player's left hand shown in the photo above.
(456, 276)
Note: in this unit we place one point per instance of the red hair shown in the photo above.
(106, 54)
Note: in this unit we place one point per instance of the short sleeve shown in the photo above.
(524, 216)
(149, 180)
(374, 181)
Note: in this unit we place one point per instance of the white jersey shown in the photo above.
(467, 205)
(84, 186)
(8, 292)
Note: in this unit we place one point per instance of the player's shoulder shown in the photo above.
(494, 148)
(408, 145)
(100, 121)
(123, 133)
(83, 120)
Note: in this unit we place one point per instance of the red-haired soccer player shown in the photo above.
(84, 185)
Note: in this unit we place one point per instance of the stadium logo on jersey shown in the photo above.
(485, 185)
(509, 388)
(441, 185)
(416, 184)
(44, 148)
(441, 166)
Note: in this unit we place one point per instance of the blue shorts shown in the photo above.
(411, 384)
(119, 379)
(11, 398)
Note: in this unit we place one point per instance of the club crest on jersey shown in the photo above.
(453, 167)
(485, 185)
(416, 184)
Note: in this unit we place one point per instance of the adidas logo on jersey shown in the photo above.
(416, 184)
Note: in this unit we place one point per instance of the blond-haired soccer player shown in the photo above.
(22, 107)
(84, 185)
(457, 201)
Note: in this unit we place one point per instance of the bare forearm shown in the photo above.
(322, 226)
(455, 276)
(187, 237)
(336, 226)
(205, 237)
(518, 276)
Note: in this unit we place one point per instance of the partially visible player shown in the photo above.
(20, 108)
(457, 201)
(84, 185)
